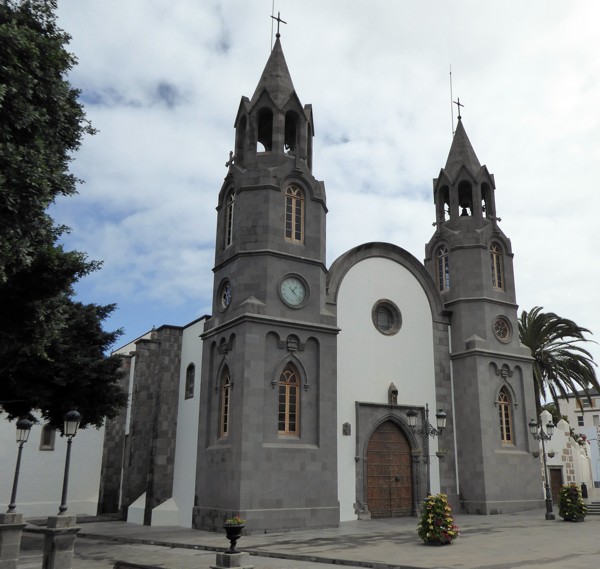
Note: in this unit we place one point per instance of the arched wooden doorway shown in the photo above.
(389, 473)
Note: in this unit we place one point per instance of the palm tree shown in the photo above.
(561, 366)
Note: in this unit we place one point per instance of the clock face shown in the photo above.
(293, 291)
(225, 295)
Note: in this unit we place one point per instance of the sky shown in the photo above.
(161, 80)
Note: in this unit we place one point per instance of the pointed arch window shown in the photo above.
(229, 207)
(289, 401)
(265, 129)
(190, 380)
(294, 214)
(225, 402)
(504, 407)
(443, 269)
(497, 266)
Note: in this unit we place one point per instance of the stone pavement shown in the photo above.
(522, 540)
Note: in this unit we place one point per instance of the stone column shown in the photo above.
(59, 542)
(11, 529)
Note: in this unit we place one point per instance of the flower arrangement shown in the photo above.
(437, 522)
(571, 507)
(235, 521)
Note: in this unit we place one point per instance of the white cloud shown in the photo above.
(162, 82)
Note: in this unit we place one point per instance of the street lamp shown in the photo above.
(23, 427)
(71, 424)
(427, 430)
(538, 433)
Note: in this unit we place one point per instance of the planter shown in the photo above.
(233, 533)
(446, 542)
(574, 518)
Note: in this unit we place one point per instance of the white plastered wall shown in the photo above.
(184, 483)
(369, 361)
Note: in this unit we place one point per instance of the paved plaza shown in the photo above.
(522, 540)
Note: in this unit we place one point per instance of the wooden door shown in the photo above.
(389, 473)
(556, 482)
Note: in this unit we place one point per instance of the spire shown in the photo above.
(461, 154)
(275, 78)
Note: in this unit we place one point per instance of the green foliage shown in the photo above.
(555, 412)
(571, 507)
(437, 523)
(51, 347)
(561, 366)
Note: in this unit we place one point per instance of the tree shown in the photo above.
(561, 366)
(52, 349)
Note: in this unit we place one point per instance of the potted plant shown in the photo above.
(437, 525)
(233, 529)
(571, 507)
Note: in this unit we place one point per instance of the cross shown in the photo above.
(279, 21)
(231, 160)
(458, 105)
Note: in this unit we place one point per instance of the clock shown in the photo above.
(293, 290)
(224, 296)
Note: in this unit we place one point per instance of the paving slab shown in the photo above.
(521, 540)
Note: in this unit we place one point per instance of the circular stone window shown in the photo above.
(386, 317)
(502, 329)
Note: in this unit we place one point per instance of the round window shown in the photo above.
(502, 329)
(386, 317)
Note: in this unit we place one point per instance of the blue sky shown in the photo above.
(162, 80)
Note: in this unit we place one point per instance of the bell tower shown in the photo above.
(471, 262)
(267, 429)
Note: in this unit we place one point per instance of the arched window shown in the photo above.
(225, 402)
(497, 266)
(265, 129)
(504, 407)
(190, 379)
(465, 198)
(294, 214)
(291, 131)
(443, 269)
(229, 206)
(289, 401)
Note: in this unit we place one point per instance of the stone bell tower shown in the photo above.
(267, 435)
(471, 262)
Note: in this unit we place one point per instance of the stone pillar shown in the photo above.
(59, 542)
(229, 560)
(11, 529)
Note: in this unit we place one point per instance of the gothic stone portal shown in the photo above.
(389, 473)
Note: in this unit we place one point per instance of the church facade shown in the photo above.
(293, 403)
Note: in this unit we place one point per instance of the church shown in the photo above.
(312, 394)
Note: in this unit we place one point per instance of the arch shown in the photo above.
(225, 385)
(229, 211)
(465, 198)
(342, 265)
(265, 129)
(443, 203)
(291, 358)
(190, 380)
(487, 200)
(442, 266)
(497, 260)
(389, 477)
(294, 214)
(288, 411)
(505, 412)
(291, 131)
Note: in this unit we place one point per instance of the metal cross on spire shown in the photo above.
(458, 105)
(279, 21)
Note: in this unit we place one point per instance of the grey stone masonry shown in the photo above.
(11, 529)
(112, 453)
(150, 449)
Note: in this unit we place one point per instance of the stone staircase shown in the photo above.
(593, 508)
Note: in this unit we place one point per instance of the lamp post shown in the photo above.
(538, 433)
(23, 428)
(427, 430)
(71, 424)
